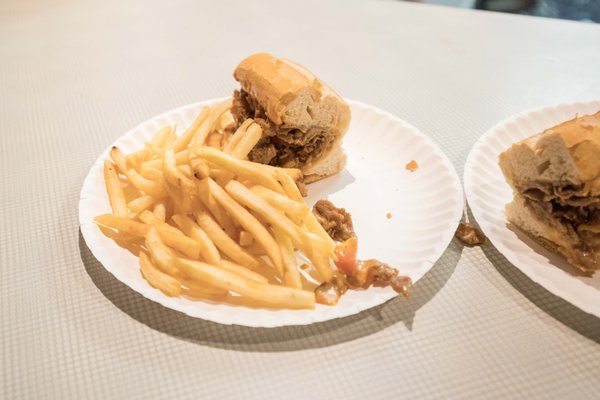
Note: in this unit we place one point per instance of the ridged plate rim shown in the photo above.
(555, 280)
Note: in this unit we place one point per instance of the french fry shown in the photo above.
(161, 255)
(291, 277)
(294, 173)
(182, 202)
(200, 169)
(171, 236)
(169, 207)
(247, 142)
(181, 243)
(158, 141)
(242, 301)
(152, 151)
(160, 211)
(153, 174)
(264, 269)
(174, 176)
(153, 188)
(279, 296)
(131, 192)
(149, 218)
(122, 224)
(246, 239)
(180, 158)
(172, 138)
(224, 179)
(295, 210)
(242, 271)
(208, 250)
(255, 249)
(217, 211)
(214, 140)
(289, 186)
(249, 223)
(223, 242)
(161, 137)
(202, 290)
(221, 175)
(316, 251)
(135, 159)
(141, 203)
(183, 141)
(244, 139)
(237, 136)
(225, 137)
(158, 279)
(276, 218)
(114, 187)
(119, 159)
(133, 244)
(209, 122)
(242, 169)
(205, 292)
(315, 227)
(226, 122)
(186, 170)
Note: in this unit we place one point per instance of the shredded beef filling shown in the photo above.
(337, 222)
(280, 145)
(575, 211)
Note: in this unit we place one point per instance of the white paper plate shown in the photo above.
(426, 206)
(488, 193)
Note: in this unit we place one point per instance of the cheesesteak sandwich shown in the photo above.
(555, 177)
(302, 119)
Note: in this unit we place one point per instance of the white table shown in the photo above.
(75, 75)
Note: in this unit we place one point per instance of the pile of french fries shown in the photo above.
(207, 223)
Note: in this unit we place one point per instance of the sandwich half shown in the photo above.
(303, 120)
(555, 177)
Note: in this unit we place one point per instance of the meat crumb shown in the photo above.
(388, 215)
(403, 285)
(412, 166)
(327, 293)
(469, 235)
(336, 221)
(379, 274)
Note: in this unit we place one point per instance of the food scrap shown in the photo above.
(336, 221)
(353, 273)
(388, 215)
(345, 255)
(412, 166)
(329, 293)
(469, 235)
(403, 285)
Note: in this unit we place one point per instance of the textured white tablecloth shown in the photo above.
(75, 75)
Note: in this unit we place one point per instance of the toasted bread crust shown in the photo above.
(555, 177)
(568, 153)
(294, 97)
